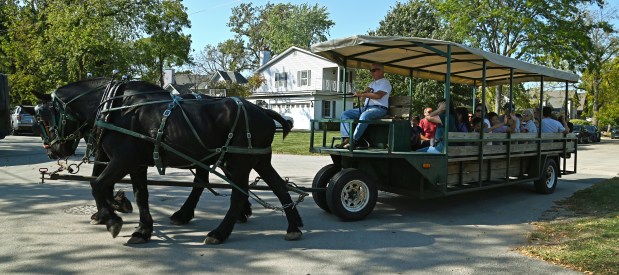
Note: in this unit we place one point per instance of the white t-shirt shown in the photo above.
(379, 85)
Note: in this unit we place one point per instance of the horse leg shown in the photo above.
(246, 209)
(144, 231)
(96, 171)
(103, 186)
(265, 169)
(120, 203)
(186, 213)
(238, 167)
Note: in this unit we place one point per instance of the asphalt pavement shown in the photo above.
(46, 226)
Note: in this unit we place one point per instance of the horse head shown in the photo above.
(66, 116)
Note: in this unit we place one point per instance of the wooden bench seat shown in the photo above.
(520, 143)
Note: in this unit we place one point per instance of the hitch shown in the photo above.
(43, 171)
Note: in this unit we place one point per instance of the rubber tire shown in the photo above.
(549, 178)
(336, 190)
(320, 181)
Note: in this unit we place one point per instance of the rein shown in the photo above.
(59, 119)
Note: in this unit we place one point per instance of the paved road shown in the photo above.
(46, 227)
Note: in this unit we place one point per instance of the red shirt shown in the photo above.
(428, 127)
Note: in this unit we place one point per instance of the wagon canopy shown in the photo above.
(427, 58)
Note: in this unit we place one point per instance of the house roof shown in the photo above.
(556, 98)
(180, 88)
(428, 58)
(276, 58)
(234, 77)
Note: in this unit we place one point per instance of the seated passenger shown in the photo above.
(479, 110)
(376, 106)
(438, 117)
(429, 128)
(510, 119)
(416, 133)
(496, 125)
(550, 125)
(462, 120)
(529, 121)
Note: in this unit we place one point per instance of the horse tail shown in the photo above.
(276, 116)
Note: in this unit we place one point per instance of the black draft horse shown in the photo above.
(198, 129)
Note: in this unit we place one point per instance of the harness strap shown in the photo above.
(224, 148)
(159, 136)
(167, 147)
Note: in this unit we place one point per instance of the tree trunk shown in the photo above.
(596, 106)
(498, 98)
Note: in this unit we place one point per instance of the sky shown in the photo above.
(352, 17)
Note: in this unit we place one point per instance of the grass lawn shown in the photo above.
(297, 142)
(588, 239)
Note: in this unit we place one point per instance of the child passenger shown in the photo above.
(438, 117)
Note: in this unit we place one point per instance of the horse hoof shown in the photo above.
(94, 219)
(293, 236)
(211, 240)
(137, 240)
(242, 219)
(114, 228)
(180, 219)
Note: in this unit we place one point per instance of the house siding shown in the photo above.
(303, 103)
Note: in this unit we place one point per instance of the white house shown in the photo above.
(188, 83)
(302, 85)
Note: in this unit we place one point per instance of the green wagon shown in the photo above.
(348, 187)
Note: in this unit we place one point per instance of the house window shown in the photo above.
(304, 78)
(328, 109)
(280, 80)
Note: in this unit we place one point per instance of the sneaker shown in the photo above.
(344, 145)
(359, 145)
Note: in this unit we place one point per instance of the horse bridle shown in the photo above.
(58, 121)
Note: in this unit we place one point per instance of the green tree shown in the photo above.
(419, 18)
(522, 29)
(52, 42)
(597, 61)
(609, 85)
(167, 46)
(277, 27)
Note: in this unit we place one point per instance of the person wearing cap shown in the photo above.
(376, 97)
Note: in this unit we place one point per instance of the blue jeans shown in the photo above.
(368, 113)
(433, 149)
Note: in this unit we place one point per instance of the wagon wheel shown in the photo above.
(320, 181)
(547, 183)
(351, 195)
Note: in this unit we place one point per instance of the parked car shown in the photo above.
(614, 133)
(21, 120)
(289, 119)
(581, 133)
(596, 135)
